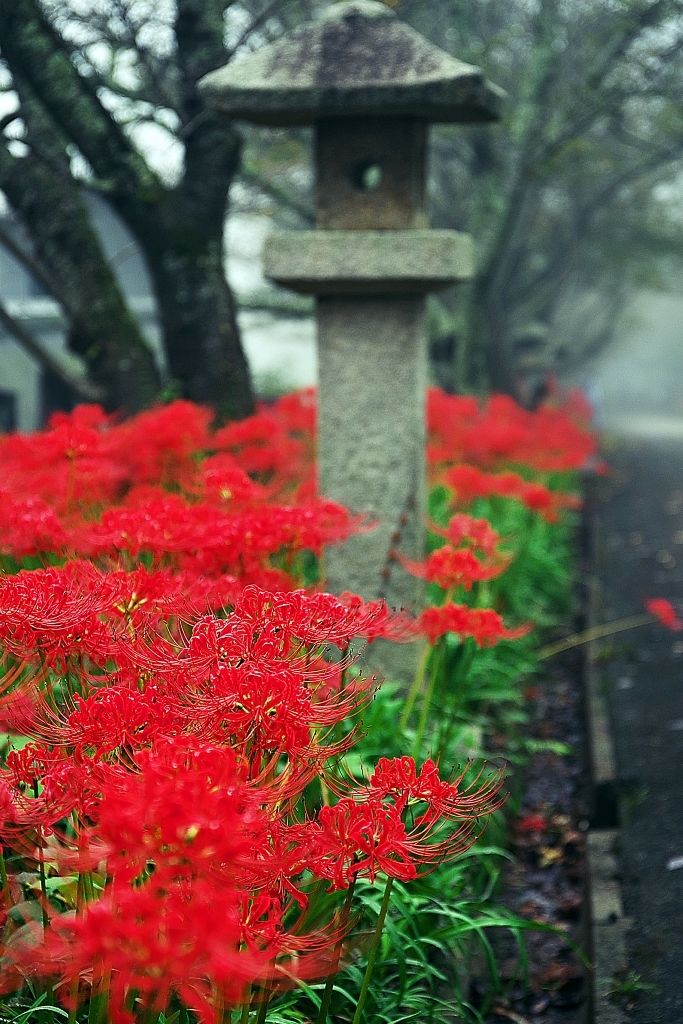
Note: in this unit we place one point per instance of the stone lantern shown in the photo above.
(370, 86)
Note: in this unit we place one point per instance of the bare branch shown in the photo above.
(9, 119)
(84, 388)
(31, 264)
(256, 24)
(616, 47)
(251, 176)
(33, 48)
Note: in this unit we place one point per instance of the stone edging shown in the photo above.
(607, 922)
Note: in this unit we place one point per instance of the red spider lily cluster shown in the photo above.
(164, 491)
(178, 702)
(470, 482)
(167, 774)
(499, 433)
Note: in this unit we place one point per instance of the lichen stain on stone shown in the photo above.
(354, 51)
(296, 55)
(360, 51)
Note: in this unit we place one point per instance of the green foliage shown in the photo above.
(628, 985)
(440, 925)
(433, 929)
(538, 584)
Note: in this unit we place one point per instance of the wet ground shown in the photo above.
(546, 882)
(641, 556)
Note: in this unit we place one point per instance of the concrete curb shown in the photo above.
(607, 923)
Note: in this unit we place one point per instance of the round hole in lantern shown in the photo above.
(367, 176)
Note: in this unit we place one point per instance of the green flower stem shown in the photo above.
(435, 669)
(466, 657)
(73, 988)
(3, 870)
(373, 952)
(415, 689)
(41, 870)
(263, 1009)
(99, 998)
(329, 984)
(46, 917)
(595, 633)
(246, 1008)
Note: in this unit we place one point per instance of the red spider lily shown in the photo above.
(398, 777)
(323, 618)
(469, 483)
(117, 717)
(46, 786)
(446, 798)
(28, 526)
(554, 438)
(181, 694)
(159, 446)
(531, 823)
(224, 480)
(382, 835)
(188, 812)
(60, 481)
(464, 530)
(67, 464)
(277, 444)
(664, 612)
(191, 906)
(456, 567)
(194, 939)
(484, 625)
(209, 540)
(53, 613)
(8, 810)
(362, 838)
(18, 706)
(153, 943)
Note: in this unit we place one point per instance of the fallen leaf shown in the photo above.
(549, 855)
(511, 1015)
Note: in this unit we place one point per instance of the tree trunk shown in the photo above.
(182, 238)
(179, 229)
(197, 313)
(101, 327)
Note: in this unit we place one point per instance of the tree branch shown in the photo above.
(615, 48)
(259, 20)
(31, 264)
(77, 382)
(250, 176)
(32, 46)
(199, 35)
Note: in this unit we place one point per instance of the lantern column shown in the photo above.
(370, 85)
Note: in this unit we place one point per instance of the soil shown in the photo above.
(546, 882)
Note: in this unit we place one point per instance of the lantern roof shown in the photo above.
(357, 60)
